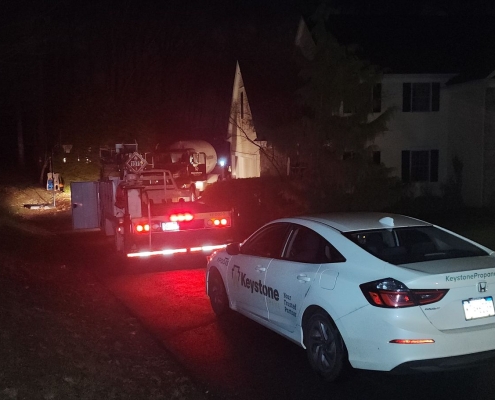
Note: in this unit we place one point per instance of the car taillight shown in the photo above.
(390, 293)
(181, 217)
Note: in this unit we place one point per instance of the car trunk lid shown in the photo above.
(470, 299)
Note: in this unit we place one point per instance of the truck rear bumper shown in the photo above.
(165, 243)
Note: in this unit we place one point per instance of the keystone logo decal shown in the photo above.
(476, 275)
(239, 277)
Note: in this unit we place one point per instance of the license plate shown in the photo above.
(478, 308)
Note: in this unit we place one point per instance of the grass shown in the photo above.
(62, 334)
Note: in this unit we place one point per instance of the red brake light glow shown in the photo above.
(142, 228)
(219, 222)
(169, 252)
(390, 293)
(182, 217)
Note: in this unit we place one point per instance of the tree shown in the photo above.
(106, 72)
(330, 145)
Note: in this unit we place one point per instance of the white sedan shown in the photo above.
(365, 290)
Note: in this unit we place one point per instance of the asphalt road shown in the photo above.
(237, 359)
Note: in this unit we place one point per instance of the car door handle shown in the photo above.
(259, 268)
(303, 278)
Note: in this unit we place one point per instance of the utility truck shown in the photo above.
(149, 211)
(195, 160)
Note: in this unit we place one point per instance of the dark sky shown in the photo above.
(161, 68)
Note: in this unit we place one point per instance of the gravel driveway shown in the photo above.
(63, 336)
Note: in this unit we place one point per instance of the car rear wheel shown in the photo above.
(324, 346)
(218, 296)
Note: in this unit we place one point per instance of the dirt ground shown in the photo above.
(62, 335)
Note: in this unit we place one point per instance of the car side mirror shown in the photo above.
(233, 249)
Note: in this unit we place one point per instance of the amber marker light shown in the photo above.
(412, 341)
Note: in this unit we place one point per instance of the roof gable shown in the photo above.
(269, 68)
(419, 44)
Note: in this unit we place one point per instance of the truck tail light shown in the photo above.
(181, 217)
(142, 228)
(390, 293)
(219, 222)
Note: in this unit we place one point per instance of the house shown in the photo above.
(442, 133)
(244, 144)
(265, 79)
(439, 80)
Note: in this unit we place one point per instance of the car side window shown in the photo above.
(268, 242)
(307, 246)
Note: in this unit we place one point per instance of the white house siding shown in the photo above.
(466, 136)
(415, 130)
(245, 155)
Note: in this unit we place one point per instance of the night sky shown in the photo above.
(153, 71)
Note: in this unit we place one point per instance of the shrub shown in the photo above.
(255, 200)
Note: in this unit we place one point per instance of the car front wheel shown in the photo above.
(218, 296)
(324, 346)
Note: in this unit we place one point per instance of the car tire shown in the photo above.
(324, 346)
(217, 293)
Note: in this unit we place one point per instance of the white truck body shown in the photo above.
(149, 213)
(194, 159)
(193, 147)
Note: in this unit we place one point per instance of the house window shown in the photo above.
(420, 165)
(420, 97)
(242, 105)
(377, 98)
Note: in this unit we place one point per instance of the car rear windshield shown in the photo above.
(414, 244)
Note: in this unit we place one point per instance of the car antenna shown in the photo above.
(387, 221)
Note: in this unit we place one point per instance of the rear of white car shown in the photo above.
(403, 294)
(429, 306)
(457, 331)
(434, 314)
